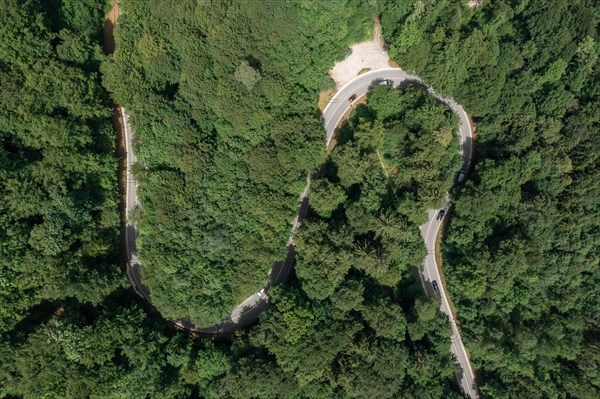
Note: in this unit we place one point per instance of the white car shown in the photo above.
(262, 291)
(386, 82)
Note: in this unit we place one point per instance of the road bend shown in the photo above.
(338, 107)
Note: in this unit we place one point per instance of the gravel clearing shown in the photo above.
(368, 55)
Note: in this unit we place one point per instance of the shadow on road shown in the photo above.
(248, 315)
(281, 269)
(468, 147)
(243, 316)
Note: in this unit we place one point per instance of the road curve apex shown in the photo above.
(333, 112)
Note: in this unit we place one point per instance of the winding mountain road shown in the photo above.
(244, 314)
(339, 106)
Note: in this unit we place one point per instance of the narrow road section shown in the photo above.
(338, 107)
(244, 314)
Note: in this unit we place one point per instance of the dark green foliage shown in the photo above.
(350, 331)
(117, 352)
(325, 197)
(65, 332)
(202, 157)
(223, 103)
(317, 350)
(400, 156)
(355, 323)
(416, 145)
(324, 256)
(58, 193)
(521, 257)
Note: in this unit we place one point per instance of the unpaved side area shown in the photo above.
(110, 21)
(324, 98)
(474, 3)
(368, 55)
(109, 25)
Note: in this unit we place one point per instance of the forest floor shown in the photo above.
(367, 55)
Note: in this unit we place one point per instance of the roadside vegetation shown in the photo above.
(222, 101)
(59, 219)
(393, 161)
(223, 98)
(521, 256)
(67, 329)
(356, 306)
(74, 344)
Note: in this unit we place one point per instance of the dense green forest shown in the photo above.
(357, 307)
(395, 158)
(73, 346)
(59, 219)
(68, 329)
(221, 96)
(520, 257)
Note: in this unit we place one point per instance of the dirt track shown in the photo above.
(109, 25)
(367, 55)
(110, 22)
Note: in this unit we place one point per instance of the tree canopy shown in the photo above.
(223, 97)
(59, 214)
(222, 103)
(520, 256)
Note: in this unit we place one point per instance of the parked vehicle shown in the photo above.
(262, 292)
(461, 177)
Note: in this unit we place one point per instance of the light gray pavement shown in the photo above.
(339, 105)
(244, 314)
(429, 273)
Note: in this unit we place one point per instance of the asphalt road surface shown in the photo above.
(339, 105)
(244, 314)
(430, 273)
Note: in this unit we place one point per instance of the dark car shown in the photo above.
(353, 97)
(440, 215)
(435, 285)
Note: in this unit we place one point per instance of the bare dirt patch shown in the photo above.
(366, 55)
(393, 64)
(109, 25)
(110, 22)
(474, 3)
(324, 97)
